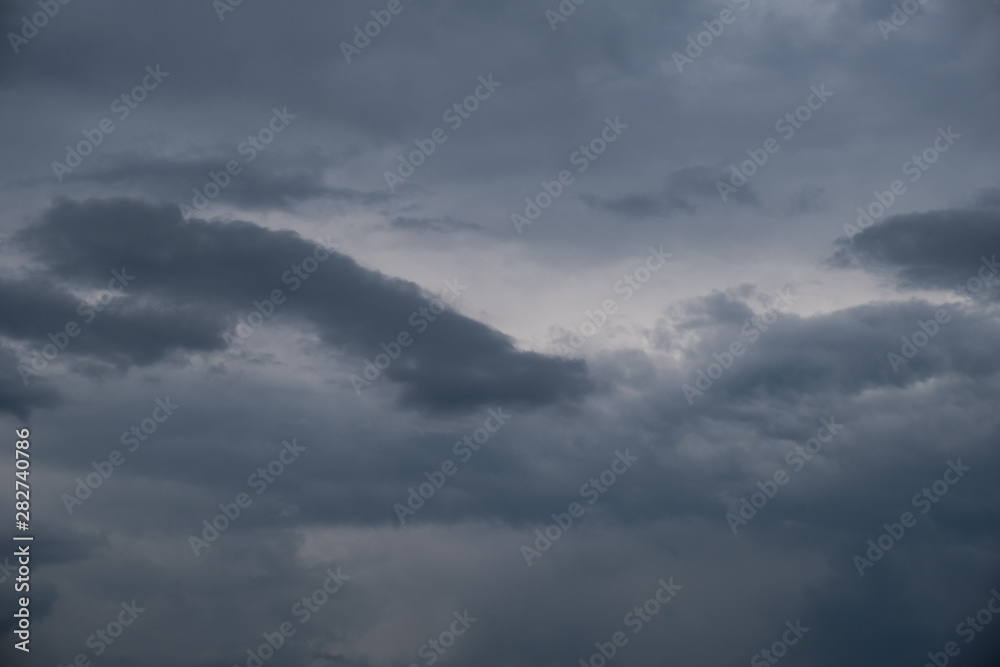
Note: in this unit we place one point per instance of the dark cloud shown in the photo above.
(627, 206)
(284, 183)
(16, 397)
(937, 249)
(684, 187)
(440, 225)
(203, 274)
(167, 334)
(111, 325)
(842, 353)
(808, 199)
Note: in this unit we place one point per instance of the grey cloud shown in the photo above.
(212, 270)
(119, 329)
(808, 199)
(666, 516)
(288, 180)
(684, 187)
(16, 398)
(628, 206)
(439, 225)
(987, 197)
(843, 352)
(936, 249)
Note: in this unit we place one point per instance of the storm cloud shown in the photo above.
(284, 409)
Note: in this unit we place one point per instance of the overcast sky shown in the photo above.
(517, 334)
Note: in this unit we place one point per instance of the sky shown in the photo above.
(515, 334)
